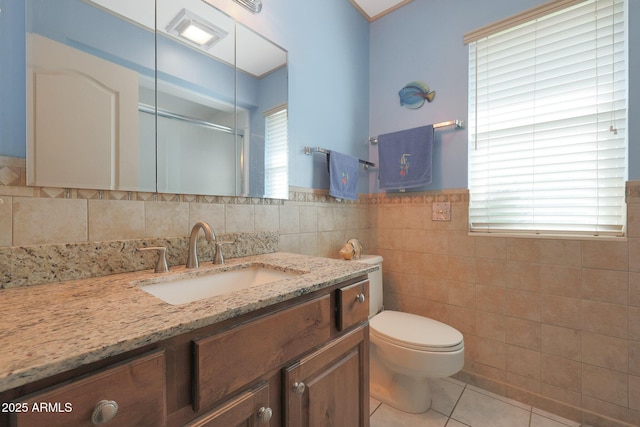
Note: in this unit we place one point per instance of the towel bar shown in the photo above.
(458, 124)
(309, 150)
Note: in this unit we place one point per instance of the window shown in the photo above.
(547, 121)
(276, 154)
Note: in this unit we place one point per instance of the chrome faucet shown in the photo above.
(192, 257)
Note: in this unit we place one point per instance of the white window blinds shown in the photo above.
(547, 124)
(276, 154)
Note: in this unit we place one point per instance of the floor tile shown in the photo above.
(445, 395)
(373, 405)
(480, 410)
(500, 397)
(386, 416)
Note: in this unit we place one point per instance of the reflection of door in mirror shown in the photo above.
(85, 72)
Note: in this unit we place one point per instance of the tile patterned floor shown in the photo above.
(456, 404)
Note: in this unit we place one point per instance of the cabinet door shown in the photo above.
(250, 408)
(330, 387)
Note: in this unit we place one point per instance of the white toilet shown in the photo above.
(407, 350)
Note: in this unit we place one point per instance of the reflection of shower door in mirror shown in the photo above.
(82, 116)
(197, 157)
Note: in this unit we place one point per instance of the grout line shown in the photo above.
(456, 404)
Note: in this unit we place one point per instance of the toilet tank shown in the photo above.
(375, 283)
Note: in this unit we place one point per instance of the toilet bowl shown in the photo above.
(406, 350)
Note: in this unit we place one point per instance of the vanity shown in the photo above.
(290, 352)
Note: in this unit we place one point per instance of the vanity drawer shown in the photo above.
(352, 304)
(137, 386)
(230, 360)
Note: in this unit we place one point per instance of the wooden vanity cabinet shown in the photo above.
(303, 362)
(135, 388)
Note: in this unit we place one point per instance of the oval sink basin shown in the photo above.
(182, 291)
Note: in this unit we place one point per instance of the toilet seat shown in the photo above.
(415, 332)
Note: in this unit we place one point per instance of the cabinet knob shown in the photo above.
(360, 298)
(264, 415)
(299, 388)
(104, 412)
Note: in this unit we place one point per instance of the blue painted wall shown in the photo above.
(12, 80)
(328, 46)
(423, 41)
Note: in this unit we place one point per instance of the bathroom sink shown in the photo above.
(189, 289)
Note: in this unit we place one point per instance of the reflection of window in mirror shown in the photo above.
(276, 153)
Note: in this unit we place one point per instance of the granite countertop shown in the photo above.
(48, 329)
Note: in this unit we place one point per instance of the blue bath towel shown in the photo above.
(343, 176)
(405, 158)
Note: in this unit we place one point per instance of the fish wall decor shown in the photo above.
(414, 94)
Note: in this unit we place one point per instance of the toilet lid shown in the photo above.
(416, 332)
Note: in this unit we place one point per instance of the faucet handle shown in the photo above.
(161, 264)
(218, 257)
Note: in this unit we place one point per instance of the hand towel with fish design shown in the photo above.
(343, 176)
(405, 158)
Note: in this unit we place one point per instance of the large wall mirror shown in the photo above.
(153, 95)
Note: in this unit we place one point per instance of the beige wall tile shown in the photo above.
(562, 373)
(291, 243)
(387, 238)
(524, 276)
(560, 280)
(413, 216)
(491, 353)
(523, 333)
(560, 252)
(6, 220)
(634, 357)
(436, 290)
(308, 219)
(166, 219)
(634, 254)
(308, 244)
(288, 218)
(634, 289)
(490, 298)
(490, 325)
(562, 342)
(46, 221)
(491, 272)
(605, 285)
(461, 244)
(461, 318)
(115, 219)
(605, 384)
(606, 255)
(212, 214)
(491, 247)
(560, 394)
(436, 266)
(561, 311)
(634, 323)
(436, 242)
(633, 219)
(462, 269)
(239, 218)
(267, 218)
(462, 294)
(606, 352)
(604, 318)
(326, 221)
(523, 304)
(634, 392)
(414, 240)
(523, 362)
(526, 250)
